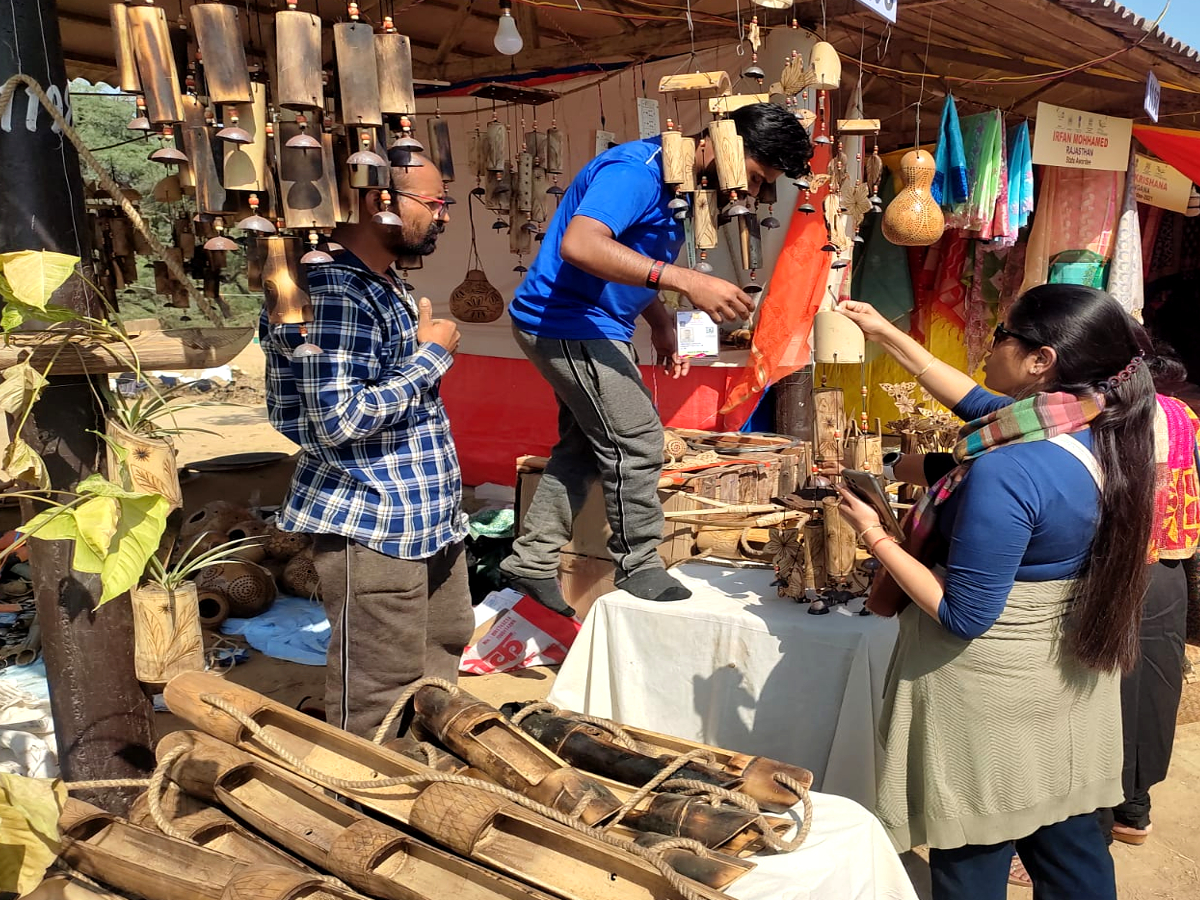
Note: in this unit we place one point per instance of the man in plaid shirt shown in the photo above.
(377, 483)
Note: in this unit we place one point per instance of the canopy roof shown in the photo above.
(1011, 54)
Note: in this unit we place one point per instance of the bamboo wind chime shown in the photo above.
(725, 201)
(278, 162)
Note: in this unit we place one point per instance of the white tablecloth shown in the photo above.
(847, 856)
(738, 667)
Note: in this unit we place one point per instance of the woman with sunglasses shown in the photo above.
(1019, 588)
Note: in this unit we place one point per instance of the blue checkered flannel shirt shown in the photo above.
(377, 461)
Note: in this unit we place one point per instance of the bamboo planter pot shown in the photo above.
(150, 465)
(166, 633)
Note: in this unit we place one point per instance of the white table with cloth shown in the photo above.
(738, 667)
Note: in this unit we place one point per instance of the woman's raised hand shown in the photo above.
(866, 317)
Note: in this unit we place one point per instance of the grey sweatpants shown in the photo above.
(607, 429)
(392, 621)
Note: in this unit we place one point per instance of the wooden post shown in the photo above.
(102, 720)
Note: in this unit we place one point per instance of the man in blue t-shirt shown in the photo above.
(607, 252)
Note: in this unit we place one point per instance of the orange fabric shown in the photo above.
(1176, 146)
(785, 320)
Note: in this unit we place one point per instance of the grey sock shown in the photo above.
(545, 591)
(653, 584)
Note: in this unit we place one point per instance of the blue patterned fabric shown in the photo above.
(1020, 177)
(951, 184)
(377, 461)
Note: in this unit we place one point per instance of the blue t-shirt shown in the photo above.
(1024, 512)
(623, 188)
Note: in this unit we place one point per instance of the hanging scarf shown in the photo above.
(950, 184)
(1175, 532)
(1037, 418)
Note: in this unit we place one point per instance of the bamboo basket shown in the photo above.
(166, 632)
(149, 465)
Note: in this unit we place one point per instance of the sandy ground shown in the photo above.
(1165, 868)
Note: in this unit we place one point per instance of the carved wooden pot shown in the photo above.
(248, 589)
(300, 576)
(217, 516)
(149, 464)
(913, 218)
(475, 300)
(251, 551)
(166, 632)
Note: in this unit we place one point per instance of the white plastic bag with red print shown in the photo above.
(513, 631)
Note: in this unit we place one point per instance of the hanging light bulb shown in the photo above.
(508, 39)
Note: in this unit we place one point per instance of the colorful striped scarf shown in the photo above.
(1037, 418)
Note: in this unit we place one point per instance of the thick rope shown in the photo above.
(683, 886)
(615, 731)
(652, 785)
(154, 791)
(111, 188)
(402, 703)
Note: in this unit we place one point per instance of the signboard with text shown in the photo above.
(1075, 139)
(885, 8)
(1162, 185)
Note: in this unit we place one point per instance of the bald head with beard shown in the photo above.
(422, 224)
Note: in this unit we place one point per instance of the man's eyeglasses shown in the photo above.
(1001, 334)
(436, 205)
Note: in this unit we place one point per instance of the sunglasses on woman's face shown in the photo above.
(1001, 334)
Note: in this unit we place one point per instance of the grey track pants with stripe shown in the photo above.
(607, 429)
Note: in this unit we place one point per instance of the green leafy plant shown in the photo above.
(152, 412)
(116, 532)
(170, 576)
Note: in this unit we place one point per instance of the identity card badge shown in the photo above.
(696, 335)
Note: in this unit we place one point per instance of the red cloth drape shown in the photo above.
(1177, 146)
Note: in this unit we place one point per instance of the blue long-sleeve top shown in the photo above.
(1024, 512)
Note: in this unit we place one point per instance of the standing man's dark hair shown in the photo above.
(774, 137)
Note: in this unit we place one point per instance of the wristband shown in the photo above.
(886, 537)
(928, 366)
(890, 460)
(655, 275)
